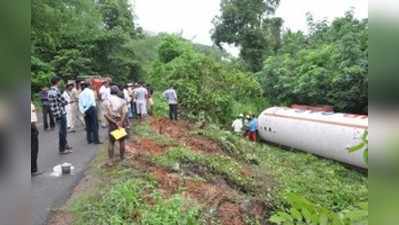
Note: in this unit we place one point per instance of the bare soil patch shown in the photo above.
(146, 146)
(180, 131)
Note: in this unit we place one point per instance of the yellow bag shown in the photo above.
(119, 133)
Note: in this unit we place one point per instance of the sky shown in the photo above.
(193, 18)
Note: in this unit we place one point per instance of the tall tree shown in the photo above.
(327, 66)
(81, 37)
(248, 25)
(118, 13)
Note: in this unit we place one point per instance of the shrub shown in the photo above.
(304, 212)
(204, 85)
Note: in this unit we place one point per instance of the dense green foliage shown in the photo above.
(303, 212)
(247, 24)
(207, 88)
(72, 38)
(328, 66)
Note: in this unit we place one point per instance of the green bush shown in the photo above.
(161, 107)
(204, 85)
(328, 66)
(304, 212)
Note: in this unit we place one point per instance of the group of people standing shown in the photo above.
(111, 106)
(246, 126)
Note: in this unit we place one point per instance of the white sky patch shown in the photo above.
(193, 18)
(294, 11)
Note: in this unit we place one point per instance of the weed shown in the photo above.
(215, 165)
(127, 202)
(304, 212)
(323, 181)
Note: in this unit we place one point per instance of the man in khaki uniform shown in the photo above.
(75, 97)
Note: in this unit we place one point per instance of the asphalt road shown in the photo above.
(51, 192)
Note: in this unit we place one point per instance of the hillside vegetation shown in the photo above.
(327, 66)
(179, 173)
(196, 172)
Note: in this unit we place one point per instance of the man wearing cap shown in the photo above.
(253, 127)
(75, 105)
(87, 106)
(69, 108)
(238, 124)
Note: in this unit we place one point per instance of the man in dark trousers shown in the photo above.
(57, 106)
(47, 115)
(34, 140)
(171, 97)
(87, 106)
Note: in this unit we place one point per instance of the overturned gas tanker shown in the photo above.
(325, 134)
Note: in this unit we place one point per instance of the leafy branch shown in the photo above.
(304, 212)
(363, 145)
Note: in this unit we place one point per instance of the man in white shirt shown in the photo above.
(171, 97)
(75, 104)
(69, 108)
(141, 96)
(87, 105)
(104, 94)
(34, 139)
(238, 125)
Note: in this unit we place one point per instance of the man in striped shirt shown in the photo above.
(57, 106)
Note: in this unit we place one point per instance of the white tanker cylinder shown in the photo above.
(326, 134)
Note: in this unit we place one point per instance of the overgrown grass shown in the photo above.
(220, 165)
(322, 181)
(127, 196)
(132, 198)
(325, 182)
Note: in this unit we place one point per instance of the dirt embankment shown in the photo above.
(180, 131)
(224, 202)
